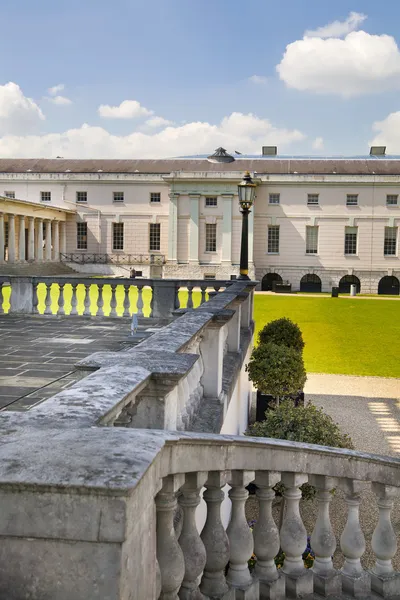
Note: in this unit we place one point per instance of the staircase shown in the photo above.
(37, 269)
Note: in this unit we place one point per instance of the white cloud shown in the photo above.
(258, 79)
(59, 100)
(128, 109)
(338, 29)
(158, 122)
(388, 133)
(53, 91)
(18, 114)
(359, 64)
(246, 132)
(318, 143)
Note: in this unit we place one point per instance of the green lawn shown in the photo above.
(352, 337)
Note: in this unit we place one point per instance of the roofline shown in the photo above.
(36, 204)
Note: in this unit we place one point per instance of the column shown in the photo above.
(11, 238)
(1, 237)
(173, 227)
(56, 241)
(194, 228)
(63, 248)
(31, 239)
(21, 249)
(48, 240)
(39, 239)
(227, 228)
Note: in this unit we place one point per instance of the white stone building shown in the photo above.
(317, 222)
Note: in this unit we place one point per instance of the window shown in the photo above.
(274, 198)
(273, 239)
(352, 200)
(391, 199)
(81, 236)
(45, 196)
(9, 194)
(211, 201)
(209, 276)
(312, 199)
(155, 197)
(155, 236)
(389, 248)
(350, 240)
(211, 237)
(311, 239)
(118, 196)
(118, 236)
(81, 196)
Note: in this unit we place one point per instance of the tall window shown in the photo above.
(312, 199)
(350, 240)
(311, 239)
(273, 239)
(118, 196)
(9, 194)
(211, 201)
(155, 197)
(155, 237)
(118, 236)
(352, 200)
(81, 236)
(211, 237)
(274, 198)
(81, 196)
(45, 196)
(389, 248)
(392, 199)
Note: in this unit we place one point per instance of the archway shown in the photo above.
(346, 282)
(268, 280)
(389, 285)
(310, 283)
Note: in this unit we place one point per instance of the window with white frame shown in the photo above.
(311, 239)
(273, 239)
(81, 196)
(274, 198)
(211, 201)
(350, 240)
(45, 196)
(155, 237)
(9, 194)
(118, 196)
(155, 197)
(312, 199)
(81, 236)
(118, 236)
(352, 200)
(392, 199)
(390, 244)
(211, 237)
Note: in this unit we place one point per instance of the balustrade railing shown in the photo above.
(84, 258)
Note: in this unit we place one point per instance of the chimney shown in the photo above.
(269, 150)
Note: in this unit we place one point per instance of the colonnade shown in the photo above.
(44, 240)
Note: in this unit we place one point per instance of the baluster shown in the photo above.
(86, 302)
(190, 296)
(74, 300)
(47, 300)
(177, 300)
(100, 301)
(1, 299)
(241, 543)
(126, 312)
(266, 539)
(355, 580)
(169, 553)
(193, 549)
(113, 301)
(203, 293)
(151, 301)
(327, 580)
(140, 301)
(217, 288)
(35, 299)
(214, 538)
(61, 310)
(384, 580)
(299, 580)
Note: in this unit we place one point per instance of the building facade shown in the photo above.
(316, 223)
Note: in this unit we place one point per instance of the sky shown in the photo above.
(163, 78)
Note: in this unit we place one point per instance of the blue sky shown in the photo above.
(191, 63)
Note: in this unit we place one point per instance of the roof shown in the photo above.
(269, 165)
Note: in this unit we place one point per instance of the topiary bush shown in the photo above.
(282, 332)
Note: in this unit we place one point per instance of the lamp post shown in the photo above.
(246, 192)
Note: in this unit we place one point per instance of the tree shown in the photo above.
(282, 332)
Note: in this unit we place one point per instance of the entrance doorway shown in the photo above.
(268, 280)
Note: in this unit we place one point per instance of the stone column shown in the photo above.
(1, 238)
(212, 351)
(21, 248)
(31, 239)
(173, 227)
(56, 241)
(63, 242)
(227, 228)
(194, 228)
(11, 238)
(48, 240)
(39, 240)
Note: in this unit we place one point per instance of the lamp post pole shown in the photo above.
(246, 193)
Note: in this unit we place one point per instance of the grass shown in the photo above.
(350, 337)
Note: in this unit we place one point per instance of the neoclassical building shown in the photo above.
(316, 222)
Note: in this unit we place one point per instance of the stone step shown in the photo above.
(36, 269)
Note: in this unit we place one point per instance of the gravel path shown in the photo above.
(368, 409)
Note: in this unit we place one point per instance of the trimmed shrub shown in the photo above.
(282, 332)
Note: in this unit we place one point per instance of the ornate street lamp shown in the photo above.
(246, 191)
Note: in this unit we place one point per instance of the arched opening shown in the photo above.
(268, 281)
(310, 283)
(346, 282)
(389, 285)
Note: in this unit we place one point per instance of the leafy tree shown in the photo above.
(282, 332)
